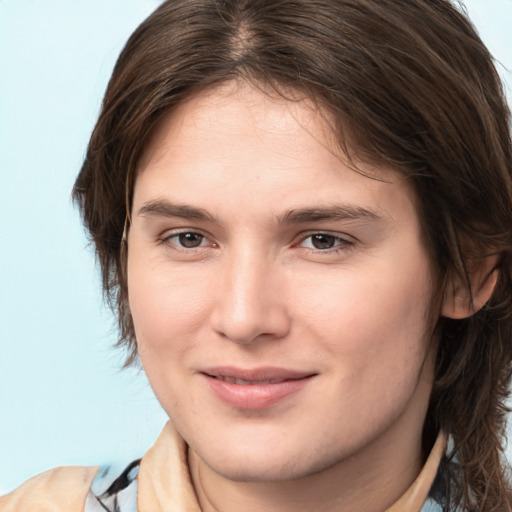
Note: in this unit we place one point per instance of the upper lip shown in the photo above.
(262, 374)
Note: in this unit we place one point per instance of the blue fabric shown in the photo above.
(431, 506)
(113, 492)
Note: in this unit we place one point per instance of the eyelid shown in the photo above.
(344, 241)
(347, 241)
(166, 237)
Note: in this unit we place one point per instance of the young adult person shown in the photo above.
(303, 215)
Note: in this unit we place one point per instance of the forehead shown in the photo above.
(239, 108)
(242, 140)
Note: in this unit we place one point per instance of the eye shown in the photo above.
(186, 240)
(190, 240)
(324, 242)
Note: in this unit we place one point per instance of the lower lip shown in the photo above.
(255, 396)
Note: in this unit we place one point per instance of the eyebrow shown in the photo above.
(164, 208)
(329, 213)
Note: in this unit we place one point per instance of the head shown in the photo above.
(404, 92)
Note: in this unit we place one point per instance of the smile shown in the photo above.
(255, 389)
(242, 382)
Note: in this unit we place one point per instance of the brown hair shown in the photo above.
(412, 87)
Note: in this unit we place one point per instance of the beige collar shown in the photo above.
(414, 498)
(165, 484)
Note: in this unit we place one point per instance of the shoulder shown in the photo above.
(62, 489)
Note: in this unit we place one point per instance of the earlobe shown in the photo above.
(457, 303)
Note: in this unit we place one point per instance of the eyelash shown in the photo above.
(341, 244)
(167, 240)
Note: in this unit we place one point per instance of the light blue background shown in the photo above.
(63, 398)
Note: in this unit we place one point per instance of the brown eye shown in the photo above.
(326, 243)
(190, 240)
(322, 241)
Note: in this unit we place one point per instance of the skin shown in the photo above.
(348, 307)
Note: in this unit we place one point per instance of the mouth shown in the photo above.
(255, 389)
(242, 382)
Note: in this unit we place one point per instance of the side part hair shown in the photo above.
(410, 86)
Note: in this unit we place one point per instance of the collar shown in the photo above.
(414, 498)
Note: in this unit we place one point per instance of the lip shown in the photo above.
(255, 389)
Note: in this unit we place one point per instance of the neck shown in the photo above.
(370, 481)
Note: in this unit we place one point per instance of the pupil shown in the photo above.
(322, 241)
(190, 240)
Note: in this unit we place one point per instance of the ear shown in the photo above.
(483, 276)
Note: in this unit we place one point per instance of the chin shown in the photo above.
(260, 458)
(259, 469)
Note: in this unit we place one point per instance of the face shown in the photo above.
(279, 298)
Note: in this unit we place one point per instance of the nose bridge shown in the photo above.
(249, 303)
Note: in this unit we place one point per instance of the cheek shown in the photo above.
(169, 316)
(377, 345)
(166, 306)
(376, 320)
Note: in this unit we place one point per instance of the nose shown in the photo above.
(250, 301)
